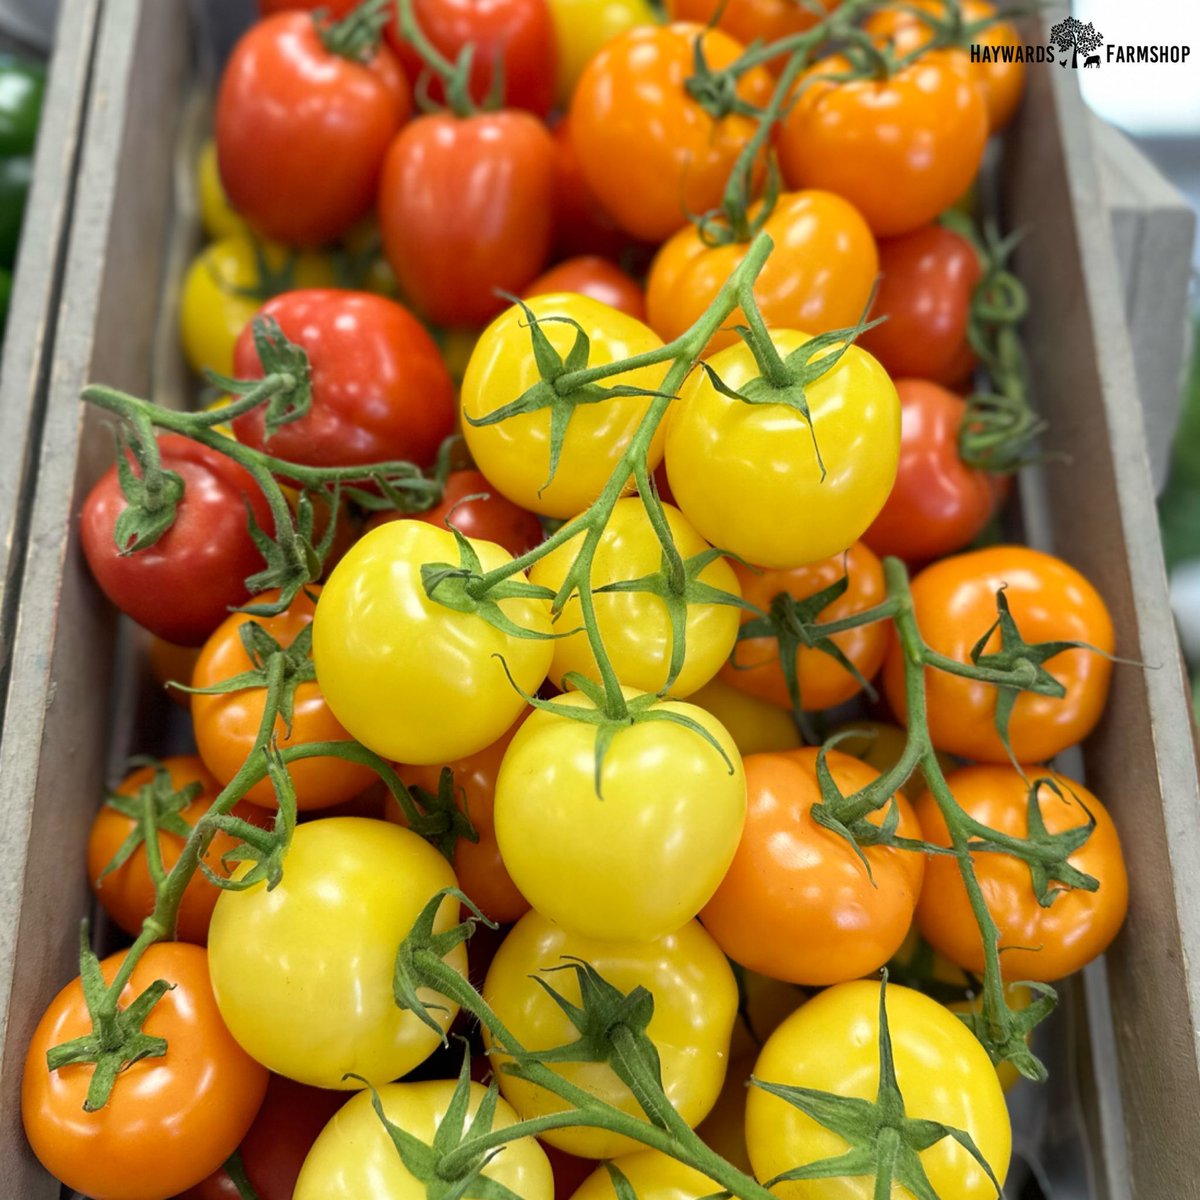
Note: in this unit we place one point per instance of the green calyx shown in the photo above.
(443, 820)
(356, 36)
(151, 497)
(1005, 1032)
(295, 557)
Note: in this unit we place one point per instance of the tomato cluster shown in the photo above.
(584, 615)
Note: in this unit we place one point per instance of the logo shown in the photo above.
(1075, 44)
(1073, 37)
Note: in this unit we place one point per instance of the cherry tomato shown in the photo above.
(581, 225)
(489, 517)
(413, 679)
(954, 602)
(754, 666)
(635, 627)
(832, 1045)
(183, 585)
(797, 902)
(819, 275)
(169, 664)
(476, 192)
(881, 745)
(354, 1158)
(596, 277)
(481, 872)
(755, 726)
(929, 279)
(695, 1003)
(646, 149)
(1036, 942)
(750, 20)
(379, 388)
(515, 453)
(582, 28)
(652, 1175)
(226, 724)
(170, 1121)
(900, 149)
(302, 130)
(670, 817)
(303, 972)
(216, 213)
(746, 475)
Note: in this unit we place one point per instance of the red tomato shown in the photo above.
(379, 387)
(492, 518)
(516, 34)
(581, 226)
(938, 504)
(928, 282)
(465, 207)
(596, 277)
(184, 585)
(301, 132)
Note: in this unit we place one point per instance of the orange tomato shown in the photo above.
(747, 20)
(797, 903)
(754, 666)
(1042, 944)
(591, 275)
(819, 275)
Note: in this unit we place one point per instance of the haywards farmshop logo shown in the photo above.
(1075, 44)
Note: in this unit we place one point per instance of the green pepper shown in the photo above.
(22, 84)
(15, 177)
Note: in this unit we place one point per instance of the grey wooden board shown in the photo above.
(24, 365)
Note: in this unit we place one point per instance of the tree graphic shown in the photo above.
(1077, 37)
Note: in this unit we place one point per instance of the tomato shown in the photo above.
(755, 726)
(411, 678)
(797, 903)
(754, 666)
(750, 20)
(355, 1158)
(724, 1129)
(900, 149)
(954, 602)
(379, 388)
(652, 1175)
(938, 504)
(881, 745)
(225, 286)
(170, 1121)
(819, 275)
(596, 277)
(335, 8)
(747, 477)
(216, 214)
(515, 37)
(476, 192)
(226, 724)
(582, 28)
(303, 973)
(1036, 943)
(480, 869)
(302, 131)
(832, 1045)
(182, 586)
(488, 517)
(635, 627)
(581, 225)
(128, 892)
(515, 453)
(670, 817)
(647, 150)
(929, 280)
(695, 1003)
(169, 664)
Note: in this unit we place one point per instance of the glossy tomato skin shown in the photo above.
(183, 586)
(380, 390)
(901, 150)
(302, 132)
(354, 1157)
(938, 504)
(954, 602)
(928, 280)
(303, 973)
(695, 1004)
(647, 150)
(412, 679)
(515, 453)
(476, 192)
(746, 475)
(635, 627)
(652, 1175)
(599, 278)
(582, 28)
(754, 668)
(1037, 943)
(818, 277)
(170, 1121)
(832, 1044)
(797, 903)
(671, 816)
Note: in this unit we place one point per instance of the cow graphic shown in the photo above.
(1092, 60)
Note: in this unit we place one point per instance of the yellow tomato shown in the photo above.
(652, 1175)
(217, 215)
(755, 726)
(582, 28)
